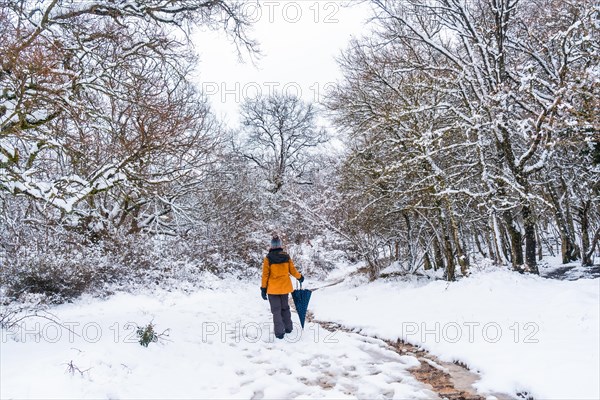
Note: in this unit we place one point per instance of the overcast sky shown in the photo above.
(299, 41)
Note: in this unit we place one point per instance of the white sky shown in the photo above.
(299, 41)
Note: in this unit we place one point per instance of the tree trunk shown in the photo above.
(570, 228)
(491, 247)
(450, 265)
(506, 246)
(515, 242)
(427, 262)
(530, 243)
(502, 254)
(567, 240)
(566, 248)
(478, 244)
(463, 261)
(439, 258)
(540, 248)
(586, 259)
(411, 258)
(373, 269)
(595, 242)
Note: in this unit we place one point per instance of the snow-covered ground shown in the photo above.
(220, 346)
(523, 333)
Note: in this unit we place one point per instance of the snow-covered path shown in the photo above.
(220, 346)
(524, 334)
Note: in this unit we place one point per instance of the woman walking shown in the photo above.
(276, 283)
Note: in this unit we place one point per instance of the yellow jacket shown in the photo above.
(277, 268)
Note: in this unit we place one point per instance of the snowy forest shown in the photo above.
(460, 132)
(470, 131)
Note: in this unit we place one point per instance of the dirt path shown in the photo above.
(451, 381)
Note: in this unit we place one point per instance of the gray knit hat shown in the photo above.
(276, 242)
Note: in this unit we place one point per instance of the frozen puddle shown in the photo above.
(220, 344)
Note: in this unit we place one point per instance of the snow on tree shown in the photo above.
(98, 117)
(456, 107)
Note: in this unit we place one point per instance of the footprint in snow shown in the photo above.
(258, 395)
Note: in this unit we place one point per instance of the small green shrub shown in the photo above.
(147, 334)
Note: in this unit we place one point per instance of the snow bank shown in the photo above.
(522, 333)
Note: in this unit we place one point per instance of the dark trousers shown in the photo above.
(282, 316)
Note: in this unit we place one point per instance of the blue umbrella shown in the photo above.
(301, 298)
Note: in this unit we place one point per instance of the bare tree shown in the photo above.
(277, 135)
